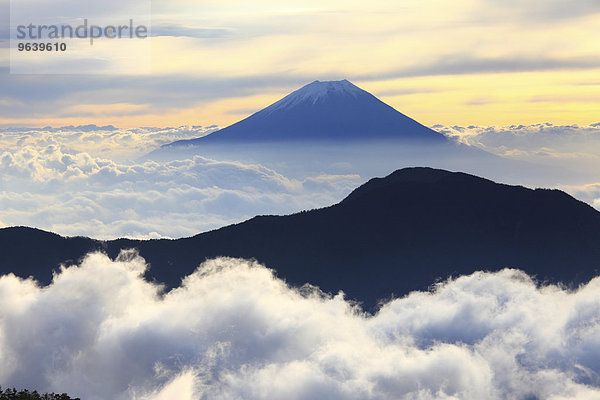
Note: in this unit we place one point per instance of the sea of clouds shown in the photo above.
(574, 149)
(570, 146)
(234, 331)
(90, 181)
(99, 182)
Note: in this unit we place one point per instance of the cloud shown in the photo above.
(74, 10)
(49, 180)
(546, 11)
(572, 150)
(157, 91)
(559, 141)
(232, 330)
(102, 141)
(466, 64)
(175, 30)
(220, 57)
(30, 95)
(91, 181)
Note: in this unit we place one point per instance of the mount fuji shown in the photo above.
(323, 111)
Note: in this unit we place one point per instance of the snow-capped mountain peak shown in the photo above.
(315, 92)
(324, 111)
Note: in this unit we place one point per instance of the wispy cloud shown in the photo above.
(211, 58)
(464, 64)
(175, 30)
(547, 11)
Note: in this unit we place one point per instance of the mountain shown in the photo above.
(331, 110)
(29, 251)
(390, 236)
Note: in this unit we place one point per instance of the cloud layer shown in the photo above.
(545, 140)
(92, 181)
(573, 150)
(212, 60)
(74, 193)
(234, 331)
(100, 141)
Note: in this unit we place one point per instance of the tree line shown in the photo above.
(13, 394)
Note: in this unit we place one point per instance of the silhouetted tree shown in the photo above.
(12, 394)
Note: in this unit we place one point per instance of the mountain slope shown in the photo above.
(28, 251)
(330, 110)
(393, 235)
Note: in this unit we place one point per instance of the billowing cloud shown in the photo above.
(572, 146)
(524, 137)
(93, 181)
(101, 141)
(232, 330)
(572, 151)
(82, 181)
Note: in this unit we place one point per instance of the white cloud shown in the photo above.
(90, 181)
(232, 330)
(568, 141)
(116, 144)
(572, 152)
(75, 193)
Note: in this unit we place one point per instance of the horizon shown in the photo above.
(91, 124)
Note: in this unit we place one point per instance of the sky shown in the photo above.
(465, 62)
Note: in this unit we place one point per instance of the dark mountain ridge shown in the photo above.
(390, 236)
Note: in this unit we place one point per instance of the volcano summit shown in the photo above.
(323, 111)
